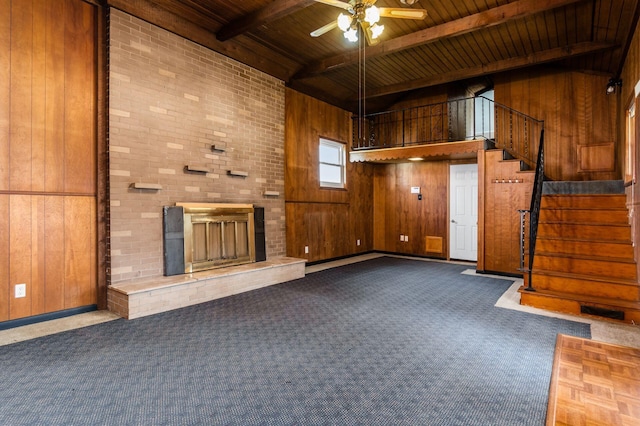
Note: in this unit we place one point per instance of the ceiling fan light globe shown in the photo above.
(344, 22)
(376, 30)
(372, 15)
(351, 35)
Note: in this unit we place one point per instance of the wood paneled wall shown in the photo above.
(581, 142)
(399, 212)
(630, 79)
(579, 120)
(48, 144)
(499, 198)
(328, 221)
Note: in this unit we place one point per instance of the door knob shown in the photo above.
(453, 221)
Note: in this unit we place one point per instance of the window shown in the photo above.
(332, 164)
(485, 116)
(630, 143)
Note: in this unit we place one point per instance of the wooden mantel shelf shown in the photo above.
(431, 152)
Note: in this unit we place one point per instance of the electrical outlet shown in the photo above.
(406, 238)
(358, 242)
(401, 237)
(20, 290)
(306, 249)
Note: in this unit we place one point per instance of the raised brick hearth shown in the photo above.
(138, 298)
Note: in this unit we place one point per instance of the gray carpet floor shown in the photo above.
(383, 342)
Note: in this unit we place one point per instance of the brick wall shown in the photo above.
(169, 101)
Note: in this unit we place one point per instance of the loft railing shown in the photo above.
(450, 121)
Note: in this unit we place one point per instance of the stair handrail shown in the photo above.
(534, 211)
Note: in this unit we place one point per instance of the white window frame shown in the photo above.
(342, 157)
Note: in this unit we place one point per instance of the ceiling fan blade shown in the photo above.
(403, 13)
(324, 29)
(336, 3)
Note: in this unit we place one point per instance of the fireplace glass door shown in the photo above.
(217, 238)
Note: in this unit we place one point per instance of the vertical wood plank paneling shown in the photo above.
(297, 157)
(80, 93)
(631, 76)
(20, 254)
(37, 255)
(54, 150)
(482, 184)
(4, 258)
(403, 181)
(306, 120)
(38, 98)
(492, 244)
(392, 233)
(5, 92)
(21, 96)
(54, 247)
(399, 212)
(78, 262)
(293, 221)
(328, 221)
(575, 110)
(360, 208)
(379, 208)
(47, 144)
(499, 216)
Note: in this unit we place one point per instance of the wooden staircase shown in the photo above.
(584, 260)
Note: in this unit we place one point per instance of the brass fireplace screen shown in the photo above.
(213, 235)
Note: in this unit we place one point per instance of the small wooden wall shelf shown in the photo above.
(196, 170)
(147, 186)
(238, 173)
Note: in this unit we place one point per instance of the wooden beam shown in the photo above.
(242, 49)
(442, 151)
(544, 56)
(488, 18)
(271, 12)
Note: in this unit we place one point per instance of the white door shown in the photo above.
(463, 232)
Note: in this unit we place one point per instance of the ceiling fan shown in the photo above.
(364, 14)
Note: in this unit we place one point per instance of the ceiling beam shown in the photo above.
(271, 12)
(488, 18)
(544, 56)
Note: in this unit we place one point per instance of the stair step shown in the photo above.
(592, 231)
(581, 284)
(572, 214)
(587, 265)
(577, 304)
(521, 165)
(584, 201)
(580, 246)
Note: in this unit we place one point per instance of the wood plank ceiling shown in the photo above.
(458, 41)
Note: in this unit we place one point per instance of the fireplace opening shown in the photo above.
(201, 236)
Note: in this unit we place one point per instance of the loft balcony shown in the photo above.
(452, 130)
